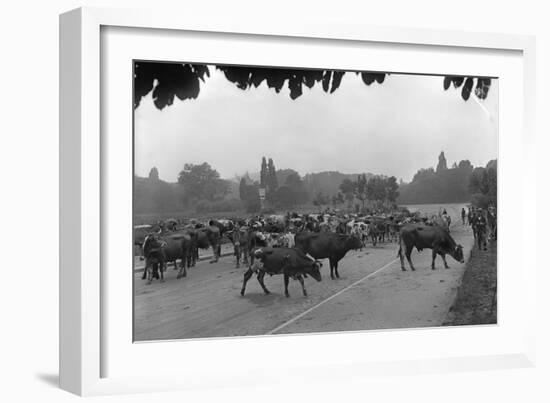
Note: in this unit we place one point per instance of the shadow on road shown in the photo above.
(263, 300)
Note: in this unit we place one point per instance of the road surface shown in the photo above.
(372, 293)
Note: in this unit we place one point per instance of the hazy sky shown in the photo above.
(393, 129)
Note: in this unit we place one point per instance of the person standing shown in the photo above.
(463, 215)
(480, 229)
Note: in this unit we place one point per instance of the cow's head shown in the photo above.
(314, 270)
(458, 254)
(354, 242)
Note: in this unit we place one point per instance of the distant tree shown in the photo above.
(271, 179)
(376, 188)
(465, 165)
(291, 193)
(442, 164)
(347, 187)
(252, 198)
(392, 187)
(483, 182)
(321, 199)
(202, 182)
(263, 174)
(154, 174)
(242, 189)
(361, 189)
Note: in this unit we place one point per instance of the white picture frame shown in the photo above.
(83, 169)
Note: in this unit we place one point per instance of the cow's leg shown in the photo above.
(400, 254)
(286, 277)
(331, 264)
(161, 268)
(261, 275)
(237, 255)
(444, 260)
(149, 270)
(156, 271)
(301, 280)
(215, 251)
(246, 277)
(144, 276)
(408, 256)
(336, 268)
(245, 254)
(434, 254)
(183, 267)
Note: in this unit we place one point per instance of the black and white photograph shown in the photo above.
(273, 200)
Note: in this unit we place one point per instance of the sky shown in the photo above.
(393, 129)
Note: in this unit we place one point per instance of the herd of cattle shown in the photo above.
(291, 245)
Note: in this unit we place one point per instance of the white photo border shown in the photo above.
(88, 358)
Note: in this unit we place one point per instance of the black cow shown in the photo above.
(327, 245)
(154, 258)
(168, 248)
(290, 262)
(421, 236)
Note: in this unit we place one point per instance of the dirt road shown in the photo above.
(372, 293)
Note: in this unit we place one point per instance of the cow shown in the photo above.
(173, 246)
(327, 245)
(376, 230)
(421, 236)
(154, 258)
(290, 262)
(140, 233)
(208, 236)
(240, 238)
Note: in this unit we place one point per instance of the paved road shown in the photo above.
(372, 293)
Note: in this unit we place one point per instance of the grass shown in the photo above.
(476, 300)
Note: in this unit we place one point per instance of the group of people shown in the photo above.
(483, 223)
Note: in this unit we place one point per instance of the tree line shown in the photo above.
(461, 183)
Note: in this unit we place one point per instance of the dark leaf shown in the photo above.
(336, 80)
(368, 78)
(457, 81)
(467, 88)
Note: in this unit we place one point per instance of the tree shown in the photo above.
(154, 174)
(170, 80)
(271, 180)
(347, 187)
(361, 190)
(391, 189)
(483, 182)
(465, 165)
(442, 164)
(291, 193)
(202, 182)
(263, 174)
(242, 189)
(321, 199)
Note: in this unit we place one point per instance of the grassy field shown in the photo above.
(476, 300)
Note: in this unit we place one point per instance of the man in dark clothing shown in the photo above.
(479, 226)
(463, 215)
